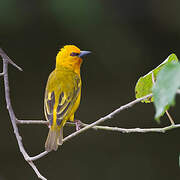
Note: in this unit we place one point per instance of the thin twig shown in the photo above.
(32, 122)
(109, 116)
(7, 59)
(115, 129)
(170, 118)
(13, 118)
(135, 130)
(106, 128)
(34, 158)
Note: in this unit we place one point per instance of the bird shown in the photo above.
(63, 93)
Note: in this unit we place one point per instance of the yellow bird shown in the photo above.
(63, 93)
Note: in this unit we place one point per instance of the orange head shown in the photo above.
(70, 56)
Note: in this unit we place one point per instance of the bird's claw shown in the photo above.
(78, 125)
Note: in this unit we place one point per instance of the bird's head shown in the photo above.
(70, 56)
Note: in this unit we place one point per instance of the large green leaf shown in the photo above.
(144, 84)
(165, 88)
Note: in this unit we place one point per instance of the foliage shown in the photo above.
(144, 84)
(165, 88)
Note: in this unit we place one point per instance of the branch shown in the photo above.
(109, 116)
(32, 122)
(135, 130)
(94, 126)
(106, 128)
(8, 60)
(86, 127)
(13, 118)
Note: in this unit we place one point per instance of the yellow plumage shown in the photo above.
(62, 94)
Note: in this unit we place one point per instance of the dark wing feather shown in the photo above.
(48, 107)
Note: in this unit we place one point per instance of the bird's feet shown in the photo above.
(78, 124)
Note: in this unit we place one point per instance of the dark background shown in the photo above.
(128, 39)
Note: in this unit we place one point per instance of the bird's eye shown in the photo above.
(74, 54)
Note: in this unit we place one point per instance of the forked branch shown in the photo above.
(85, 127)
(6, 61)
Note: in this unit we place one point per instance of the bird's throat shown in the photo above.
(75, 67)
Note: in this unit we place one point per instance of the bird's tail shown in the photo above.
(55, 137)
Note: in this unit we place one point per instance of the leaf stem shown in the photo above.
(170, 118)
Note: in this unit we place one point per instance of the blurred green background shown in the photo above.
(128, 39)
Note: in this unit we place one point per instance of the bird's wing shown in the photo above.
(65, 103)
(49, 102)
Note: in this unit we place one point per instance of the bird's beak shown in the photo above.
(83, 53)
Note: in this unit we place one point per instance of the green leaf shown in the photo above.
(144, 84)
(165, 88)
